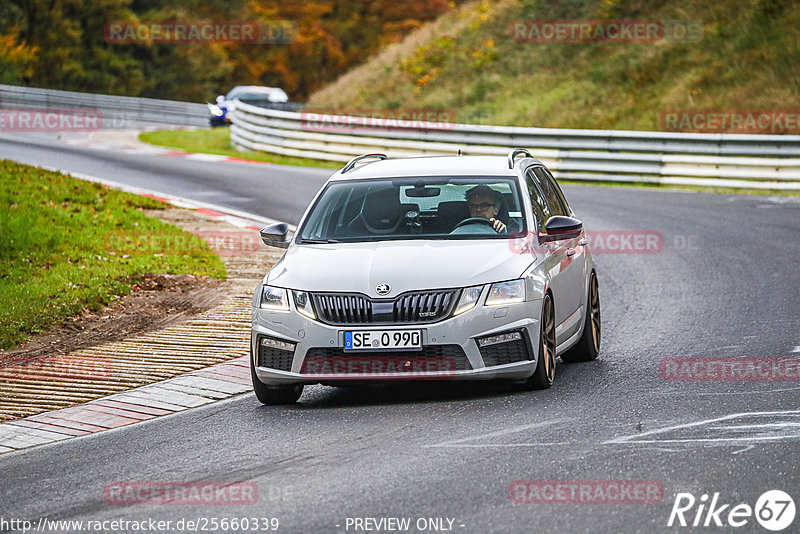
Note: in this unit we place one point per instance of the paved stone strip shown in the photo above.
(123, 367)
(140, 404)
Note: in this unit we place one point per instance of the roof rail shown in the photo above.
(516, 152)
(352, 163)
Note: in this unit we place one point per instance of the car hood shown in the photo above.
(403, 265)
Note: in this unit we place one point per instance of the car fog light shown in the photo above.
(277, 344)
(500, 338)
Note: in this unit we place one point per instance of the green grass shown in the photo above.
(467, 61)
(67, 245)
(217, 141)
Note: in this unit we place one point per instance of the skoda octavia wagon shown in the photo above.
(429, 268)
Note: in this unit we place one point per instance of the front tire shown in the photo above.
(274, 395)
(545, 372)
(588, 346)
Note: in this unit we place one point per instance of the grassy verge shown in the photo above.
(67, 245)
(217, 141)
(468, 61)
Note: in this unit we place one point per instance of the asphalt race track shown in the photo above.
(723, 283)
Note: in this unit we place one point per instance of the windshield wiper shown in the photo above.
(319, 241)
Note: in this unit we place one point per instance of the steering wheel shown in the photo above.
(475, 220)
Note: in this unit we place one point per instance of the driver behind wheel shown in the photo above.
(483, 201)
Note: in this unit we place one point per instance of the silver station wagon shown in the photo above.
(427, 268)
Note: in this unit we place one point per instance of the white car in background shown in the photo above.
(219, 113)
(390, 277)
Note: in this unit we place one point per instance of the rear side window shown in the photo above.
(540, 209)
(558, 190)
(555, 198)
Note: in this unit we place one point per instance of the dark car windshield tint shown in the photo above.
(414, 208)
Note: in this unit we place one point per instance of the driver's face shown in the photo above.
(482, 206)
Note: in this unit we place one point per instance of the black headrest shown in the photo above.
(382, 209)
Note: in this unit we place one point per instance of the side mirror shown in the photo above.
(220, 99)
(274, 235)
(559, 227)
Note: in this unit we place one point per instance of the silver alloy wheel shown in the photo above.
(548, 339)
(594, 310)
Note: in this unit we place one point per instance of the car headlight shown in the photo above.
(274, 298)
(215, 110)
(506, 293)
(469, 298)
(302, 301)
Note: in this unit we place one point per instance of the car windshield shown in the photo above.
(266, 95)
(414, 208)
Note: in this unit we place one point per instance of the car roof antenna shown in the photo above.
(459, 151)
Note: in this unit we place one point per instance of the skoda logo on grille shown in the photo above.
(383, 289)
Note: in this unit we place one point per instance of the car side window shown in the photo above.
(540, 210)
(559, 192)
(554, 200)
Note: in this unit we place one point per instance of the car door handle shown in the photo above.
(570, 252)
(583, 242)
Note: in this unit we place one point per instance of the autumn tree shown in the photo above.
(61, 44)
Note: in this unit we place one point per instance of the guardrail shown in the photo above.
(116, 111)
(723, 160)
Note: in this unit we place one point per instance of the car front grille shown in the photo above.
(415, 307)
(275, 358)
(508, 352)
(432, 358)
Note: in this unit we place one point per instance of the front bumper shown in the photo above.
(456, 335)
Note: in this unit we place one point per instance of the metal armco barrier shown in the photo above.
(723, 160)
(116, 111)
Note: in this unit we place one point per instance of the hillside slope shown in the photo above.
(747, 59)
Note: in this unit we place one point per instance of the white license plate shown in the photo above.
(382, 339)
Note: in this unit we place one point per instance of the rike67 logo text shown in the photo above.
(774, 510)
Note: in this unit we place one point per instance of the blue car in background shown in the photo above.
(219, 113)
